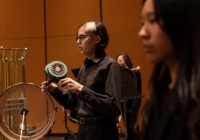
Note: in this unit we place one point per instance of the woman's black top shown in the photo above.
(167, 121)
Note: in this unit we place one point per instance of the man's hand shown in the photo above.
(48, 88)
(68, 84)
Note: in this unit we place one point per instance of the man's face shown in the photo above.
(86, 40)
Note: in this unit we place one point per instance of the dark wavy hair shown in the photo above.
(127, 59)
(180, 20)
(100, 30)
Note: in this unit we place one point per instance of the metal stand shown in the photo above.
(124, 100)
(69, 133)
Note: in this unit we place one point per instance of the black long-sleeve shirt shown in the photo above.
(101, 94)
(167, 124)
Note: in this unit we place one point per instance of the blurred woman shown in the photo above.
(170, 35)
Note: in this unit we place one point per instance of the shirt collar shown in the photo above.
(96, 59)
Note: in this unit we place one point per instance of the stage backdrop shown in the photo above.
(47, 29)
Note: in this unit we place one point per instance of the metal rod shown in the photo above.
(12, 109)
(22, 126)
(18, 49)
(23, 65)
(125, 121)
(1, 72)
(19, 99)
(16, 67)
(10, 105)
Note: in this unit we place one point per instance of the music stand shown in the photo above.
(129, 90)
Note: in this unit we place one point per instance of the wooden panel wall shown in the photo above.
(22, 26)
(47, 28)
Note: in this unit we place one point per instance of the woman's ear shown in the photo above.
(98, 39)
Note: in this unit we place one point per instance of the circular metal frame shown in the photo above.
(29, 96)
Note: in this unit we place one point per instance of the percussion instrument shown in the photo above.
(55, 70)
(39, 117)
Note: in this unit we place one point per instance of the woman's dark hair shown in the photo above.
(127, 59)
(180, 19)
(101, 31)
